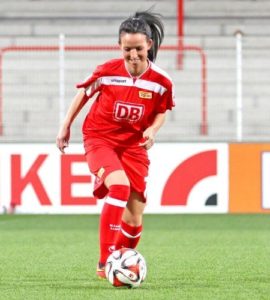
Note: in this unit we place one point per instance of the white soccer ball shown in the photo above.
(126, 267)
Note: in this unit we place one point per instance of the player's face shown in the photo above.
(135, 48)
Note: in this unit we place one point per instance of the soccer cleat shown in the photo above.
(101, 271)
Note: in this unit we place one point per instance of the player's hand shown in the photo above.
(148, 138)
(62, 138)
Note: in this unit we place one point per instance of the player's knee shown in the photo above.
(118, 177)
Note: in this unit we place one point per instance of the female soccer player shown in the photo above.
(133, 95)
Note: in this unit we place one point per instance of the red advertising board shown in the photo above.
(183, 178)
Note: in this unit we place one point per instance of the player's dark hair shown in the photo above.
(148, 23)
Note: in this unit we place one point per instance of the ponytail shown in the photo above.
(149, 24)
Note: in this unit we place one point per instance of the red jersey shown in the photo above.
(125, 106)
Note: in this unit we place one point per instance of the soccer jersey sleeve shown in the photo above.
(92, 83)
(167, 100)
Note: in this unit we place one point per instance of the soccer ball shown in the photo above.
(126, 267)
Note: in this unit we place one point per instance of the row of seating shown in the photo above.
(30, 80)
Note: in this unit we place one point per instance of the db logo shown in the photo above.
(128, 112)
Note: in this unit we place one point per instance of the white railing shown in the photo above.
(38, 83)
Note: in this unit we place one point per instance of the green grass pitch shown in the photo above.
(188, 257)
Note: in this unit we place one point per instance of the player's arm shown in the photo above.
(150, 132)
(76, 105)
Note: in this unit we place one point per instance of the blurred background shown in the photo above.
(217, 53)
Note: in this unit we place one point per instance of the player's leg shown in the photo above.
(110, 218)
(118, 194)
(132, 222)
(111, 181)
(135, 163)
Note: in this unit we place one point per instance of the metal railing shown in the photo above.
(37, 84)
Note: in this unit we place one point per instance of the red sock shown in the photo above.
(128, 236)
(110, 218)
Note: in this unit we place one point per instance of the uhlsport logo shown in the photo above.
(128, 111)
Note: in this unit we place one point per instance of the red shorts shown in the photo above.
(104, 158)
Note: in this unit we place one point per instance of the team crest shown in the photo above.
(145, 95)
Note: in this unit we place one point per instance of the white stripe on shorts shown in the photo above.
(116, 202)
